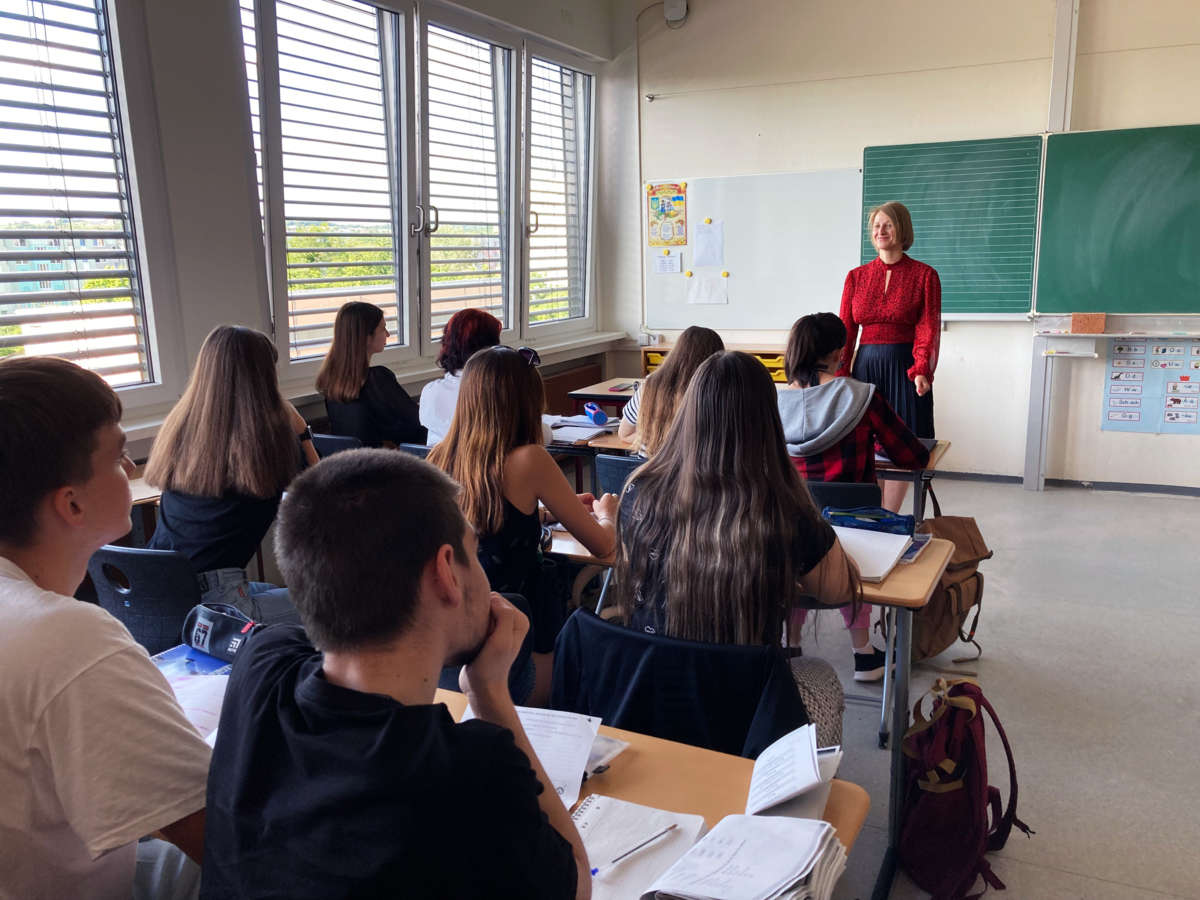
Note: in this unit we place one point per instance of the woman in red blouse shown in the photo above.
(897, 302)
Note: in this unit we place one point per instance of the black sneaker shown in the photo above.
(869, 666)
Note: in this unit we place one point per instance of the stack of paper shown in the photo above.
(570, 429)
(756, 858)
(610, 828)
(875, 552)
(792, 777)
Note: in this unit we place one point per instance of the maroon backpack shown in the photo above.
(947, 797)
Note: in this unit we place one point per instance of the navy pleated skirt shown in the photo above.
(886, 366)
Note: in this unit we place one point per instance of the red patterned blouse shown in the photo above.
(910, 311)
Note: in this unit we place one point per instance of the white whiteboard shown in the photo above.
(789, 242)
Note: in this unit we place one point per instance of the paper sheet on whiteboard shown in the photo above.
(708, 289)
(670, 264)
(710, 244)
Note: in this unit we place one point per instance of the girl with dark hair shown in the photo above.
(832, 425)
(365, 401)
(467, 331)
(717, 534)
(651, 409)
(494, 450)
(222, 459)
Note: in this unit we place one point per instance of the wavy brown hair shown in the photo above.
(718, 512)
(500, 404)
(662, 392)
(344, 371)
(230, 431)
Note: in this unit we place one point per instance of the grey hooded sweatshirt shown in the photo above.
(816, 418)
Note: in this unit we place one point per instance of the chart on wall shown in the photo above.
(1153, 385)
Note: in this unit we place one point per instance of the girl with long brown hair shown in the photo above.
(365, 401)
(651, 409)
(223, 458)
(717, 533)
(494, 450)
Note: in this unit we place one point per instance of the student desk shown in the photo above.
(602, 393)
(687, 779)
(610, 443)
(889, 471)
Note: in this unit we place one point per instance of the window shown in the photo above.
(335, 147)
(65, 207)
(468, 176)
(560, 117)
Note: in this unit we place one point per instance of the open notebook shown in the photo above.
(875, 552)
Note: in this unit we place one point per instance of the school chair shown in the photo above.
(418, 450)
(613, 471)
(329, 444)
(149, 591)
(730, 698)
(844, 494)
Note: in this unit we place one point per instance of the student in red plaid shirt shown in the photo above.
(832, 426)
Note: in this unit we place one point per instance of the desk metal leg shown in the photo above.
(889, 623)
(918, 495)
(899, 726)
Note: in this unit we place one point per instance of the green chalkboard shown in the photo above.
(974, 209)
(1121, 222)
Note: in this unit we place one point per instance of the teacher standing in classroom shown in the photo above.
(897, 302)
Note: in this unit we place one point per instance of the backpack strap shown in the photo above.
(1002, 824)
(969, 636)
(927, 487)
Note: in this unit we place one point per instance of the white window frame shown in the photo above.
(296, 374)
(543, 331)
(439, 14)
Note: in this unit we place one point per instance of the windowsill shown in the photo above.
(141, 427)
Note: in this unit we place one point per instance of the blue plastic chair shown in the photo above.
(149, 591)
(613, 471)
(418, 450)
(329, 444)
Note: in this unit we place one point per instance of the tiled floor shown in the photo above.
(1090, 629)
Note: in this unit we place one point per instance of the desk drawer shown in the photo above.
(771, 362)
(654, 358)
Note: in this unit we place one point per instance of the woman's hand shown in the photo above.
(605, 509)
(921, 383)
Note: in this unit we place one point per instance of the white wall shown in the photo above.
(777, 85)
(583, 25)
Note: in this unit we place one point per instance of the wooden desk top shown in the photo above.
(910, 586)
(603, 389)
(566, 544)
(935, 456)
(682, 778)
(611, 442)
(142, 492)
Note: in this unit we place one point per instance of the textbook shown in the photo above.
(611, 828)
(198, 682)
(756, 858)
(875, 552)
(792, 777)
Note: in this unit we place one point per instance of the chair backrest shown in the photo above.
(351, 419)
(149, 591)
(329, 444)
(730, 698)
(844, 494)
(415, 449)
(613, 471)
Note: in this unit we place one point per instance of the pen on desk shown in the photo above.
(632, 850)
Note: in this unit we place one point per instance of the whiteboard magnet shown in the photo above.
(666, 253)
(708, 220)
(688, 273)
(724, 274)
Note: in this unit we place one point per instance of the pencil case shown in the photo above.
(869, 518)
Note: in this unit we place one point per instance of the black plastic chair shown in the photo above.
(419, 450)
(329, 444)
(613, 471)
(844, 494)
(149, 591)
(735, 699)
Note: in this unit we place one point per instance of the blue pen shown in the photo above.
(632, 850)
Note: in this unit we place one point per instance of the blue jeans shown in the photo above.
(261, 601)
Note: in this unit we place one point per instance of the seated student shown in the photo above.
(647, 416)
(467, 331)
(365, 401)
(831, 426)
(95, 753)
(493, 450)
(223, 458)
(336, 774)
(717, 533)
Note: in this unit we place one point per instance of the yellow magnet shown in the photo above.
(688, 273)
(724, 274)
(708, 221)
(683, 184)
(666, 253)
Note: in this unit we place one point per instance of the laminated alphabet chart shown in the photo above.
(1153, 385)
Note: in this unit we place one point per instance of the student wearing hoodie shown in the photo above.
(831, 425)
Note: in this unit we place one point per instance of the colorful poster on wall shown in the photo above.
(1152, 386)
(666, 214)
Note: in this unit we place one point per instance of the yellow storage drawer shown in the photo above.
(655, 359)
(778, 375)
(771, 362)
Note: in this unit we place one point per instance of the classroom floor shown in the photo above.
(1090, 630)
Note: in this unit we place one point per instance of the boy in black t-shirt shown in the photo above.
(335, 774)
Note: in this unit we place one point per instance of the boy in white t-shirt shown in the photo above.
(94, 750)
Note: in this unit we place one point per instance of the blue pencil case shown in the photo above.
(870, 518)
